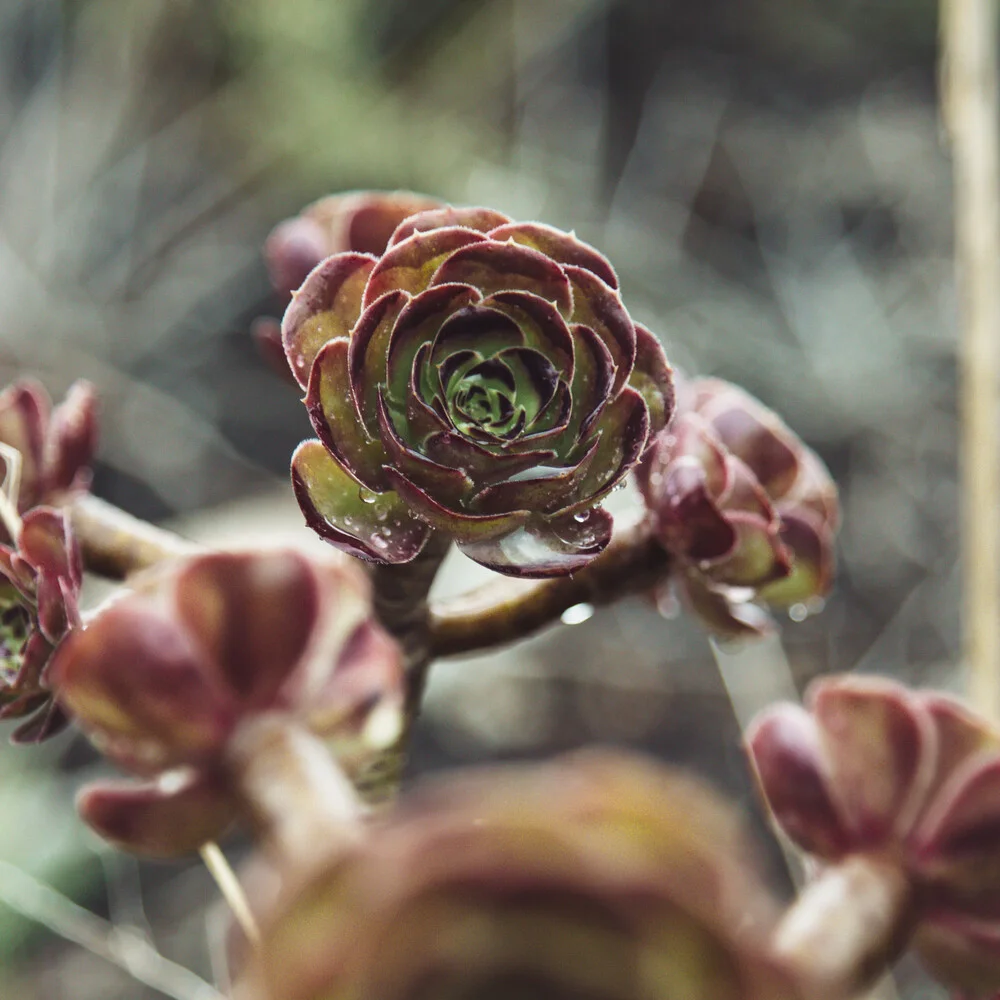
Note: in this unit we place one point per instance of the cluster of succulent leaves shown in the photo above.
(480, 380)
(47, 454)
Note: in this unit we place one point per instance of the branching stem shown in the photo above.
(506, 610)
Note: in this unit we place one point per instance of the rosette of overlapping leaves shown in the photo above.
(911, 779)
(40, 581)
(594, 877)
(747, 510)
(480, 378)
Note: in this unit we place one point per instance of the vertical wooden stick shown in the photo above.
(969, 79)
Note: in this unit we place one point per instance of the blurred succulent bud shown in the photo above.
(748, 511)
(358, 221)
(40, 582)
(597, 875)
(56, 446)
(496, 391)
(912, 778)
(165, 677)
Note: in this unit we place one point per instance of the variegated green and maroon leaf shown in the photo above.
(72, 439)
(410, 265)
(251, 615)
(377, 527)
(542, 488)
(753, 433)
(336, 419)
(325, 308)
(541, 324)
(621, 430)
(956, 848)
(159, 819)
(599, 307)
(500, 267)
(879, 745)
(811, 548)
(448, 484)
(653, 378)
(175, 717)
(757, 557)
(562, 247)
(785, 751)
(481, 465)
(368, 353)
(462, 526)
(482, 220)
(419, 323)
(544, 547)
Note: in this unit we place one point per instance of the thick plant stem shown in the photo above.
(847, 926)
(508, 610)
(301, 802)
(116, 544)
(972, 114)
(400, 601)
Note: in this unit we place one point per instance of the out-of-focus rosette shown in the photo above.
(599, 875)
(40, 581)
(166, 678)
(55, 445)
(480, 378)
(747, 510)
(910, 779)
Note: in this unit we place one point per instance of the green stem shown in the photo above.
(400, 598)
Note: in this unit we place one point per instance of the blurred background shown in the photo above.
(767, 177)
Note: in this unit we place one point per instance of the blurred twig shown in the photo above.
(969, 40)
(129, 951)
(115, 544)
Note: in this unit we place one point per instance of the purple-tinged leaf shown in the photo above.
(482, 220)
(880, 748)
(174, 815)
(336, 419)
(410, 265)
(564, 248)
(325, 308)
(377, 527)
(784, 748)
(543, 547)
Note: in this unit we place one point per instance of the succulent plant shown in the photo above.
(164, 677)
(911, 778)
(40, 582)
(56, 445)
(747, 510)
(480, 378)
(600, 875)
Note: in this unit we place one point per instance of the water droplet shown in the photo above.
(366, 496)
(798, 612)
(380, 543)
(577, 614)
(582, 515)
(667, 604)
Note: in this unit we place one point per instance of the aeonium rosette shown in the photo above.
(598, 876)
(166, 680)
(40, 581)
(910, 781)
(746, 509)
(480, 378)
